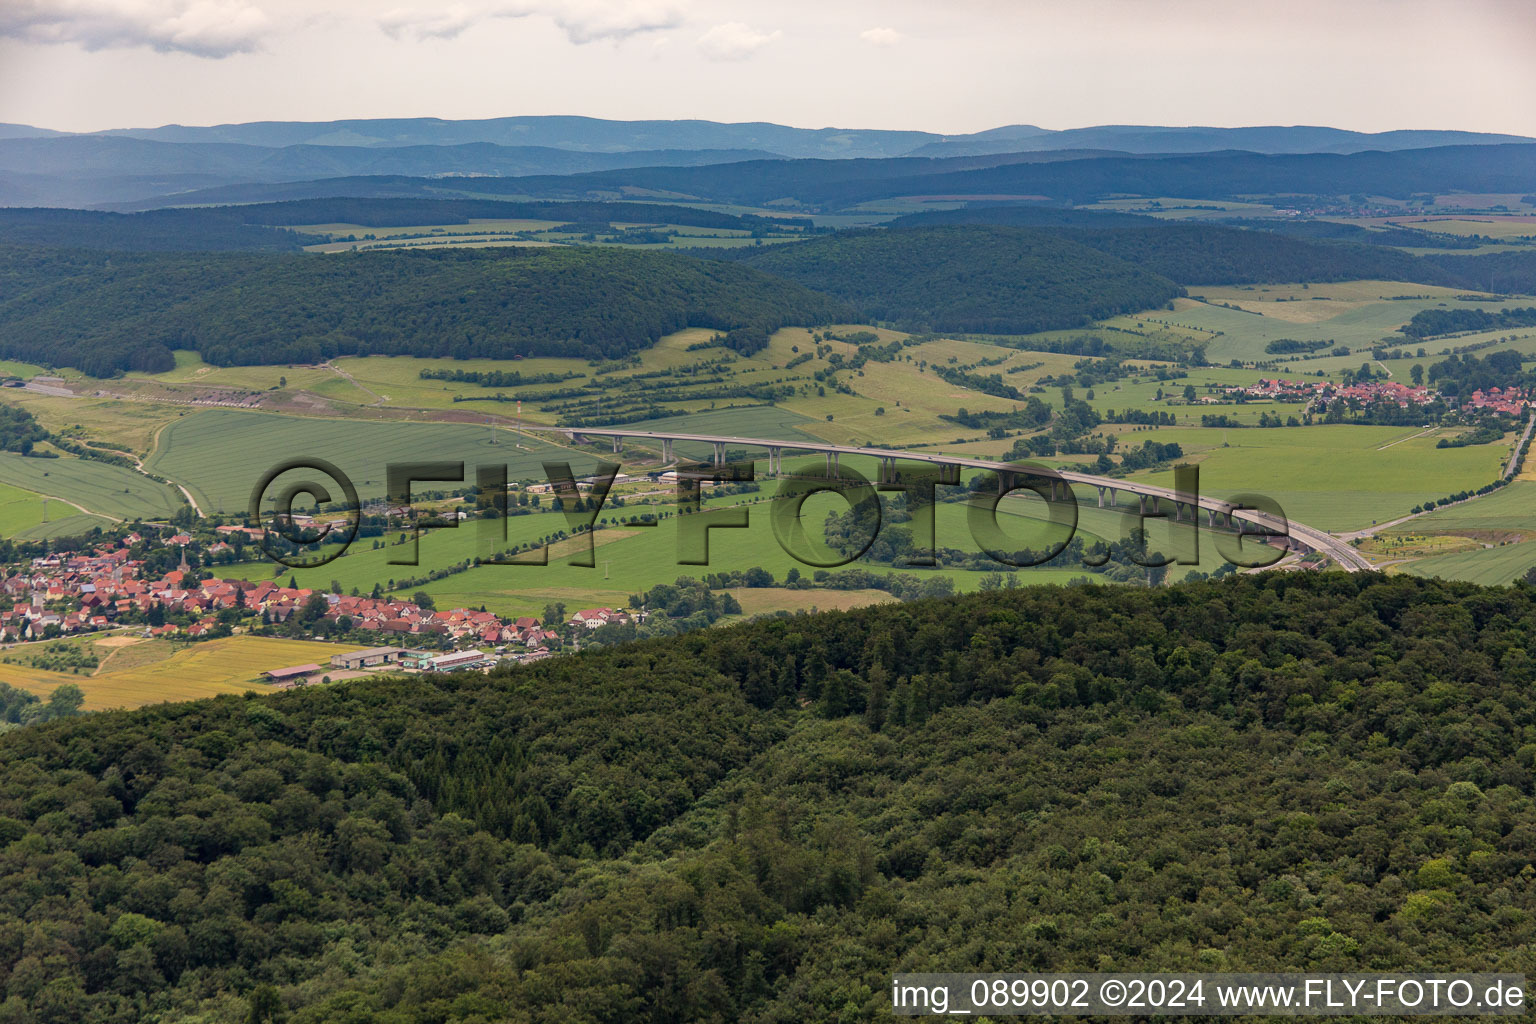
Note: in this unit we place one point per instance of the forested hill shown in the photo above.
(838, 184)
(1202, 254)
(1282, 772)
(106, 312)
(257, 226)
(1198, 254)
(207, 230)
(973, 278)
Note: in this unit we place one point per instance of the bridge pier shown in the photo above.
(1210, 519)
(1141, 504)
(666, 451)
(831, 465)
(775, 461)
(719, 454)
(887, 471)
(618, 444)
(1004, 482)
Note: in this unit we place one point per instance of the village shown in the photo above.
(107, 589)
(1317, 394)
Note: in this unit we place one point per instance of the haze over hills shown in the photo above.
(839, 184)
(1144, 139)
(90, 169)
(597, 135)
(39, 166)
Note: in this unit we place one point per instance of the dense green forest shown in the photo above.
(1291, 771)
(210, 230)
(108, 312)
(982, 279)
(1338, 231)
(1197, 254)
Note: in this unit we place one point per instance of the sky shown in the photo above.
(951, 67)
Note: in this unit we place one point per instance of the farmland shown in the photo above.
(1492, 566)
(19, 510)
(481, 232)
(362, 412)
(1508, 508)
(152, 671)
(95, 486)
(631, 559)
(1357, 315)
(220, 454)
(1485, 540)
(1337, 477)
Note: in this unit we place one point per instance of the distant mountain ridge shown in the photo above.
(89, 169)
(598, 135)
(175, 163)
(839, 184)
(1146, 140)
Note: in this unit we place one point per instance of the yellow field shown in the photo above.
(1489, 226)
(154, 671)
(1335, 292)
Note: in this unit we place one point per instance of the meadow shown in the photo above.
(220, 454)
(96, 486)
(1509, 509)
(631, 559)
(1357, 315)
(130, 423)
(144, 672)
(1493, 566)
(1336, 477)
(20, 509)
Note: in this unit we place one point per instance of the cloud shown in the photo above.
(595, 19)
(446, 22)
(734, 41)
(881, 36)
(206, 28)
(582, 21)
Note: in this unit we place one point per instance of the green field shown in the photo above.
(1356, 314)
(1336, 477)
(20, 509)
(1511, 508)
(221, 454)
(27, 515)
(1503, 563)
(631, 559)
(108, 490)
